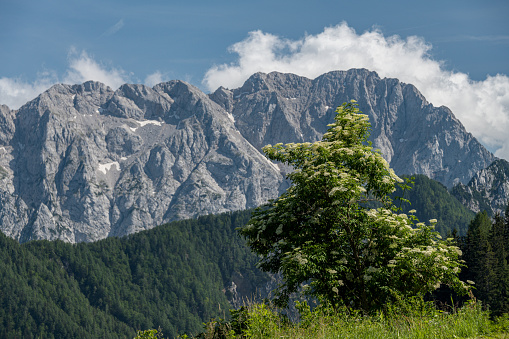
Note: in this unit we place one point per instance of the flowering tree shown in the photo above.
(323, 238)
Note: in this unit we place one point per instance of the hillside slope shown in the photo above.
(175, 276)
(432, 200)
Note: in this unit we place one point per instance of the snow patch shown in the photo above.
(107, 167)
(152, 122)
(146, 122)
(230, 116)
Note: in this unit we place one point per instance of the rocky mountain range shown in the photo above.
(84, 162)
(488, 190)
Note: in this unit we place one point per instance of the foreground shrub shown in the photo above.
(326, 241)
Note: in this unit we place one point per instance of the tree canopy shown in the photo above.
(486, 248)
(326, 242)
(175, 276)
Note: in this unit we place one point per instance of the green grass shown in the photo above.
(413, 319)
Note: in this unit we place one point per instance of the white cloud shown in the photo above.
(115, 28)
(15, 92)
(482, 106)
(83, 68)
(154, 79)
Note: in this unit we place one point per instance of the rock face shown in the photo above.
(413, 135)
(488, 190)
(83, 162)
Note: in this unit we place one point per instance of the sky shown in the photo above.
(456, 52)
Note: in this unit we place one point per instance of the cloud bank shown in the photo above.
(155, 78)
(83, 68)
(15, 92)
(482, 106)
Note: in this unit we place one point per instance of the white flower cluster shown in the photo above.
(299, 258)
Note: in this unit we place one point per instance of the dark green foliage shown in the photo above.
(431, 200)
(466, 196)
(500, 247)
(172, 277)
(327, 244)
(478, 253)
(486, 252)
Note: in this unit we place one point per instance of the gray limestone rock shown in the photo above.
(488, 190)
(414, 136)
(81, 163)
(7, 126)
(84, 162)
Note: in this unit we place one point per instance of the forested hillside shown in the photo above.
(432, 200)
(176, 276)
(173, 276)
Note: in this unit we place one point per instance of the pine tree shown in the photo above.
(479, 255)
(499, 296)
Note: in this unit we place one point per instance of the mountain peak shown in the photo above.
(84, 162)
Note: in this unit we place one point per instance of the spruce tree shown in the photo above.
(479, 257)
(499, 297)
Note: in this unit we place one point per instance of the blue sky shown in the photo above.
(456, 52)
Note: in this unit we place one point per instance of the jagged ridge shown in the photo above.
(84, 162)
(488, 190)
